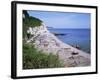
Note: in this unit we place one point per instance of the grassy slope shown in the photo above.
(33, 59)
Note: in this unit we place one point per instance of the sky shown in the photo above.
(63, 19)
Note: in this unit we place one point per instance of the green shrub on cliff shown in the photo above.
(32, 21)
(29, 21)
(34, 59)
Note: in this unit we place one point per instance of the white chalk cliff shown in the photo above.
(49, 43)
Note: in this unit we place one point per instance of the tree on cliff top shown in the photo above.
(25, 13)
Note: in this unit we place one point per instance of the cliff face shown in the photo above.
(42, 37)
(37, 30)
(47, 42)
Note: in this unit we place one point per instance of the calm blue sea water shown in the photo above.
(75, 37)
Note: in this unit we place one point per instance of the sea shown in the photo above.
(73, 37)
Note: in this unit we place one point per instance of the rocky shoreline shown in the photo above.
(49, 43)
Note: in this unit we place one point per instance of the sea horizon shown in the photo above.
(65, 28)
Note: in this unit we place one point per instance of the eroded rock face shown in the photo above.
(37, 29)
(42, 37)
(47, 42)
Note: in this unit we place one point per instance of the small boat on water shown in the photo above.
(76, 46)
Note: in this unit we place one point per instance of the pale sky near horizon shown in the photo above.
(63, 19)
